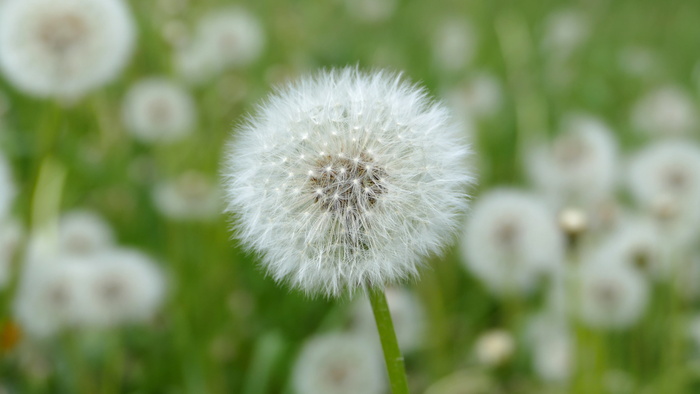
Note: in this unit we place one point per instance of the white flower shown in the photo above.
(666, 111)
(339, 364)
(371, 10)
(637, 244)
(552, 347)
(158, 110)
(579, 168)
(565, 30)
(454, 44)
(637, 61)
(611, 295)
(191, 196)
(229, 37)
(11, 233)
(407, 313)
(494, 347)
(347, 179)
(83, 232)
(122, 286)
(479, 96)
(664, 178)
(50, 296)
(63, 48)
(511, 240)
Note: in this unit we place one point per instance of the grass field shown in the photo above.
(513, 71)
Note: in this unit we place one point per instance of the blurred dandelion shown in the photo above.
(63, 48)
(158, 110)
(338, 364)
(512, 241)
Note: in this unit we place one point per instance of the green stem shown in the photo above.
(390, 345)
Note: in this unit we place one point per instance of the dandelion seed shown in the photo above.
(63, 48)
(335, 235)
(83, 232)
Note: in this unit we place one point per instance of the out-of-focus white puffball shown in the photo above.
(479, 96)
(552, 346)
(494, 347)
(123, 286)
(580, 167)
(339, 364)
(667, 111)
(372, 11)
(637, 61)
(51, 296)
(83, 232)
(664, 179)
(407, 313)
(564, 31)
(190, 196)
(64, 48)
(611, 295)
(158, 110)
(454, 44)
(224, 38)
(512, 241)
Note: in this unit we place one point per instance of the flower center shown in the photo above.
(341, 184)
(61, 32)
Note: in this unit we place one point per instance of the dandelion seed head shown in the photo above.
(158, 110)
(511, 240)
(339, 364)
(63, 48)
(613, 295)
(372, 205)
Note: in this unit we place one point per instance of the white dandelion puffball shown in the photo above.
(664, 178)
(580, 165)
(565, 31)
(668, 169)
(407, 313)
(347, 179)
(190, 196)
(123, 286)
(83, 232)
(495, 347)
(51, 297)
(454, 44)
(158, 110)
(339, 364)
(637, 244)
(612, 295)
(63, 48)
(229, 37)
(666, 111)
(371, 10)
(552, 346)
(511, 241)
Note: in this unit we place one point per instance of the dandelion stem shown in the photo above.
(390, 345)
